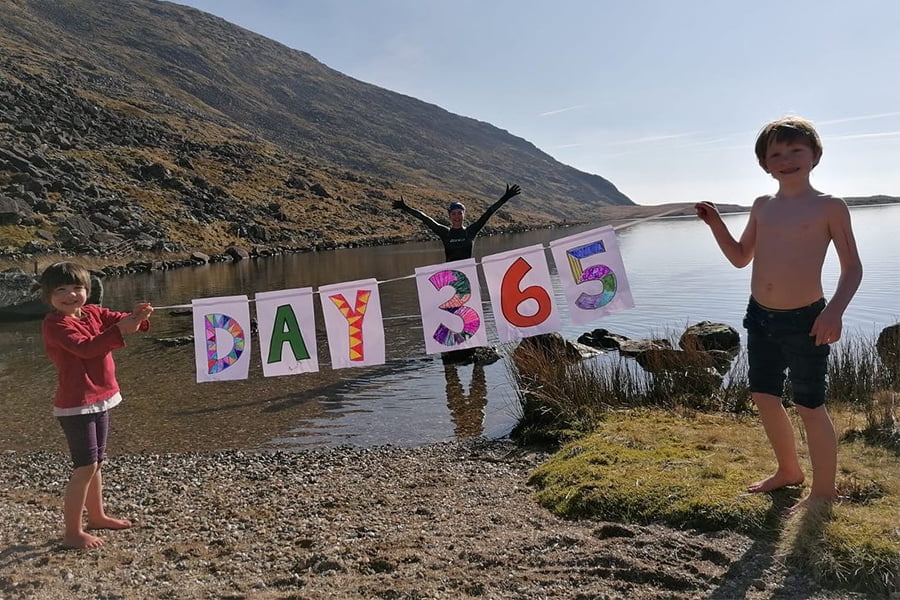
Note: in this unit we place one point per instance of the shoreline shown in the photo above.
(142, 261)
(126, 264)
(448, 520)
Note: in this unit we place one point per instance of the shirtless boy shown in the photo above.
(789, 324)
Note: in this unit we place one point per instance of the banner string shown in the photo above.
(615, 228)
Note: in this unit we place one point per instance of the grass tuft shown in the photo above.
(656, 466)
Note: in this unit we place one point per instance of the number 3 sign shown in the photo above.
(450, 302)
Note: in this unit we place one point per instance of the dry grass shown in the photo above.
(560, 398)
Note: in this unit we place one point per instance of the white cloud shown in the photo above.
(652, 138)
(857, 136)
(562, 110)
(861, 118)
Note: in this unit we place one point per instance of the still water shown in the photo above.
(676, 273)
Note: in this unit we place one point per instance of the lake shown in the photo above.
(676, 272)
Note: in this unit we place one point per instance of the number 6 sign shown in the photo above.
(592, 274)
(521, 293)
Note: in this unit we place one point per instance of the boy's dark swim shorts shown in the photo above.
(779, 340)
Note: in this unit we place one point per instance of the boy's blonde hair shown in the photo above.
(63, 273)
(788, 130)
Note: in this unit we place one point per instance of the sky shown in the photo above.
(664, 98)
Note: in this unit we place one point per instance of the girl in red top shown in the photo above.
(79, 339)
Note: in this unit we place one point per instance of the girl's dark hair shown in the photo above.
(63, 273)
(788, 130)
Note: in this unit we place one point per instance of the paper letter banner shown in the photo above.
(287, 332)
(450, 301)
(592, 274)
(353, 323)
(521, 293)
(221, 338)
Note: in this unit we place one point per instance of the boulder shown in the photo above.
(601, 338)
(319, 190)
(237, 253)
(683, 371)
(888, 346)
(633, 348)
(154, 172)
(79, 226)
(484, 355)
(554, 346)
(16, 288)
(707, 335)
(656, 360)
(182, 340)
(20, 302)
(14, 211)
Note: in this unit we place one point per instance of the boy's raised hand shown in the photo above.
(707, 212)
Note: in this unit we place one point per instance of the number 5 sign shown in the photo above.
(592, 274)
(521, 293)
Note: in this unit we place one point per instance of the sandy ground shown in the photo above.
(453, 520)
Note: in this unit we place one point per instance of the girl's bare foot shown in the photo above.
(82, 540)
(775, 482)
(108, 523)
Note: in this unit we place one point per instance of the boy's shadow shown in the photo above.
(752, 567)
(808, 532)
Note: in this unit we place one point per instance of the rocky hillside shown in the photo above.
(135, 125)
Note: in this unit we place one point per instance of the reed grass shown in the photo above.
(559, 397)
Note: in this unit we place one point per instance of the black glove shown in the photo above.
(511, 191)
(399, 204)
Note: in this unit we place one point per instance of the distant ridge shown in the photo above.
(133, 125)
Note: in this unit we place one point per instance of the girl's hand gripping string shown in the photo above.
(133, 322)
(142, 310)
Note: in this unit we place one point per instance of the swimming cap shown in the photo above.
(456, 206)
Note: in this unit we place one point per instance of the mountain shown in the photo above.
(132, 125)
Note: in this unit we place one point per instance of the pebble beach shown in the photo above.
(450, 520)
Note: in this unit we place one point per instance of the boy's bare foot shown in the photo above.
(814, 502)
(82, 540)
(775, 482)
(108, 523)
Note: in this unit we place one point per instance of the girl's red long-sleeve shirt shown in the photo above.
(81, 349)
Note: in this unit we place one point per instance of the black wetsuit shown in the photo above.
(458, 243)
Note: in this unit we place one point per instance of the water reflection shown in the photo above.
(466, 409)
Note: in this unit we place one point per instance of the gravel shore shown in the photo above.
(453, 520)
